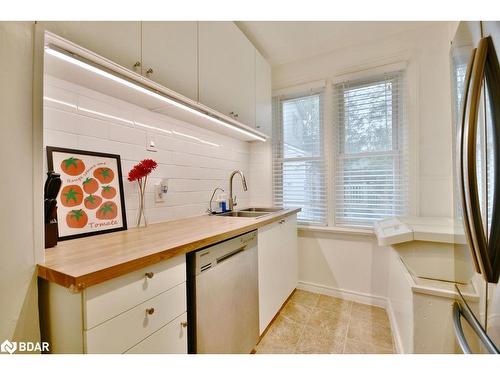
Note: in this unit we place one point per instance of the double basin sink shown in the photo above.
(251, 212)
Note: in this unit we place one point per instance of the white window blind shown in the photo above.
(298, 156)
(371, 169)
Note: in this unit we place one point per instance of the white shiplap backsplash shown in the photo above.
(194, 160)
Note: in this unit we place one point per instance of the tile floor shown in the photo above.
(315, 323)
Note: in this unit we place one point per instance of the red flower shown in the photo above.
(148, 165)
(144, 168)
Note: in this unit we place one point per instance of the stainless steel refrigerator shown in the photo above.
(475, 52)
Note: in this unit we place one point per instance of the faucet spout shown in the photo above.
(232, 199)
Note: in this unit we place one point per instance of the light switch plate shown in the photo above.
(151, 143)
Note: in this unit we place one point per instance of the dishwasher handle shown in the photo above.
(230, 255)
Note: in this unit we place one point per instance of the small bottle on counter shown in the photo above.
(221, 200)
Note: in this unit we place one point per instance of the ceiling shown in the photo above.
(286, 41)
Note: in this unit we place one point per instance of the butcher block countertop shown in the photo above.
(80, 263)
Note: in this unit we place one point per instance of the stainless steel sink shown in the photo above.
(243, 214)
(262, 209)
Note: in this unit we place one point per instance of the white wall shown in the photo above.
(354, 263)
(194, 168)
(18, 292)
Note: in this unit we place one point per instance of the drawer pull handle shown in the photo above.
(282, 221)
(150, 311)
(184, 324)
(150, 275)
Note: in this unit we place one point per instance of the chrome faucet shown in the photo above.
(232, 201)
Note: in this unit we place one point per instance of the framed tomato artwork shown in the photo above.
(91, 199)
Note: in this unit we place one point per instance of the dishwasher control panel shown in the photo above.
(208, 258)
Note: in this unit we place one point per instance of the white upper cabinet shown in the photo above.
(227, 70)
(119, 42)
(209, 62)
(170, 54)
(263, 107)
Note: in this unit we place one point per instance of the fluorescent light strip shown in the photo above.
(102, 73)
(60, 102)
(105, 115)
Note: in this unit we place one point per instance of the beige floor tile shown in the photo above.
(333, 303)
(315, 323)
(305, 298)
(269, 345)
(372, 313)
(370, 333)
(318, 341)
(297, 312)
(284, 330)
(332, 322)
(357, 347)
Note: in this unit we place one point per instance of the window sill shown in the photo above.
(337, 230)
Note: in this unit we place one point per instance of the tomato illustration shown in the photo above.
(104, 175)
(76, 219)
(92, 201)
(71, 195)
(108, 192)
(107, 211)
(72, 166)
(90, 185)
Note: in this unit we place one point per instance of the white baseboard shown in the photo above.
(359, 297)
(349, 295)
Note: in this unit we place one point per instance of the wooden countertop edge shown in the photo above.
(78, 283)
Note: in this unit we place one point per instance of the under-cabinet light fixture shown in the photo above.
(103, 72)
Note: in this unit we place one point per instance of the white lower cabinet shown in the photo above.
(143, 311)
(278, 266)
(171, 338)
(122, 332)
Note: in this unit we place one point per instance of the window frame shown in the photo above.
(314, 89)
(337, 145)
(326, 86)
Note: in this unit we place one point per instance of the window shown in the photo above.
(298, 157)
(371, 178)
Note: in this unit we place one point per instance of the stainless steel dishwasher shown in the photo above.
(223, 299)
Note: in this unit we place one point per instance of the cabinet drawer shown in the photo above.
(170, 339)
(106, 300)
(127, 329)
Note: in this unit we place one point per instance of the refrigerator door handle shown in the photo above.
(477, 240)
(459, 332)
(462, 160)
(462, 310)
(492, 78)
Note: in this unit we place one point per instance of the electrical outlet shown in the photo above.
(161, 189)
(151, 143)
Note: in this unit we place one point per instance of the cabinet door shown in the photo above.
(263, 111)
(170, 50)
(270, 268)
(290, 255)
(227, 70)
(117, 41)
(278, 267)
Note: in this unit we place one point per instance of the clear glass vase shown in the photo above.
(141, 215)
